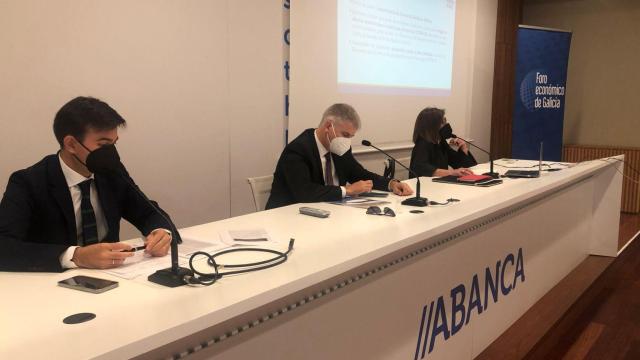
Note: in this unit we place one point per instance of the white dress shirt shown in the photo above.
(73, 180)
(323, 160)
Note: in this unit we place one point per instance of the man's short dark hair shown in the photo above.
(79, 115)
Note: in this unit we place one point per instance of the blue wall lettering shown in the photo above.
(426, 332)
(286, 70)
(457, 307)
(286, 37)
(505, 290)
(494, 282)
(474, 299)
(440, 324)
(519, 268)
(490, 284)
(286, 105)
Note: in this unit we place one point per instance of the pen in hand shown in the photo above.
(134, 249)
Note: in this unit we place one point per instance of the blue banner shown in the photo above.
(540, 87)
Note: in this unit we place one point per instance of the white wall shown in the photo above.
(481, 93)
(389, 118)
(603, 80)
(199, 82)
(257, 106)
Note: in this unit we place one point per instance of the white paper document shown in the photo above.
(247, 237)
(144, 264)
(192, 244)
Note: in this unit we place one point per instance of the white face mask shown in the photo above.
(339, 145)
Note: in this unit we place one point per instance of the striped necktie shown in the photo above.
(89, 226)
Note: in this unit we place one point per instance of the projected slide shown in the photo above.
(395, 46)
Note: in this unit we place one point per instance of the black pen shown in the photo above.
(134, 249)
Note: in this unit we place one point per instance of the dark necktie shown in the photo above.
(89, 226)
(328, 176)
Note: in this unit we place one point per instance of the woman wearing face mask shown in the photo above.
(431, 154)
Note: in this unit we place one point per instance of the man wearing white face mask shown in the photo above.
(318, 165)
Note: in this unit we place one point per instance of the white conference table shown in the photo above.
(374, 278)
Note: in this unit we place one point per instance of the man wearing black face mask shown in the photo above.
(59, 214)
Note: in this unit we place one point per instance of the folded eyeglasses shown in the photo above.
(375, 210)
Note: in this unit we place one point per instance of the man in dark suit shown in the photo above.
(57, 215)
(318, 165)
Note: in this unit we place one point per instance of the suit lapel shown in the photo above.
(317, 161)
(60, 191)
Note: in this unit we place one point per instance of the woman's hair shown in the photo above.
(428, 125)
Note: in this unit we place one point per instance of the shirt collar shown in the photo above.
(72, 177)
(321, 148)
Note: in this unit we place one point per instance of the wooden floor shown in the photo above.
(629, 227)
(593, 313)
(605, 321)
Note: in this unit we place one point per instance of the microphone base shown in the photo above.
(167, 277)
(494, 175)
(416, 201)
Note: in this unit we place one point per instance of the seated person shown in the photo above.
(318, 165)
(431, 154)
(57, 215)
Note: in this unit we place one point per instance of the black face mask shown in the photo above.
(446, 131)
(103, 160)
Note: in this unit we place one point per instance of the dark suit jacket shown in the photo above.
(426, 157)
(298, 177)
(37, 222)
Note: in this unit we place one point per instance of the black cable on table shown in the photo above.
(204, 278)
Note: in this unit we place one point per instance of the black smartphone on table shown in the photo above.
(88, 284)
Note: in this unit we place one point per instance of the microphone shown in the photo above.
(106, 160)
(494, 175)
(414, 201)
(175, 275)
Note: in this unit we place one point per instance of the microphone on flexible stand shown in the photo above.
(494, 175)
(173, 276)
(107, 160)
(414, 201)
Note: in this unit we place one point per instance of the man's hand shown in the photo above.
(359, 187)
(158, 243)
(102, 255)
(400, 188)
(461, 172)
